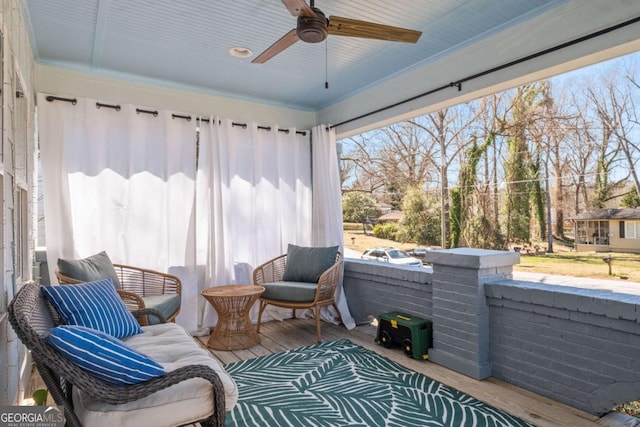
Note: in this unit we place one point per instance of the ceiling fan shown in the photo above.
(313, 27)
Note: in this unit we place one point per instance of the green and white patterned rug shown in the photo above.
(342, 384)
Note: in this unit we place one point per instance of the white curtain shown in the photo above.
(253, 199)
(327, 228)
(120, 181)
(126, 182)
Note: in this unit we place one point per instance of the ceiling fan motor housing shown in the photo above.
(312, 29)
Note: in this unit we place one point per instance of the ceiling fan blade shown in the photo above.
(298, 8)
(284, 42)
(339, 26)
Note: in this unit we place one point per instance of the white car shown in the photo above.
(391, 255)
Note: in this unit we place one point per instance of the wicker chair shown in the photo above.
(31, 316)
(272, 272)
(137, 284)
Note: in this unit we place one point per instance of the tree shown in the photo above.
(455, 226)
(421, 221)
(462, 197)
(518, 166)
(580, 148)
(551, 135)
(447, 129)
(358, 207)
(387, 161)
(630, 200)
(625, 122)
(555, 149)
(492, 117)
(602, 99)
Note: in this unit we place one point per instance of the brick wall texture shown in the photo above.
(577, 346)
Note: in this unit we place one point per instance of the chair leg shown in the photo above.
(335, 306)
(263, 305)
(294, 313)
(317, 316)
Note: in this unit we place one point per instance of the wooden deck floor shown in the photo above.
(279, 336)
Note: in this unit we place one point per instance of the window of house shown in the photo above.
(632, 229)
(593, 232)
(22, 234)
(22, 171)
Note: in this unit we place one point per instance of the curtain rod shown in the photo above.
(154, 113)
(51, 98)
(458, 83)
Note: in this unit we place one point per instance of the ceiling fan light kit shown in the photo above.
(314, 27)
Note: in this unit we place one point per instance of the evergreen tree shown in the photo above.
(421, 221)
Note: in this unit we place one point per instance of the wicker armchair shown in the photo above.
(137, 284)
(31, 316)
(272, 272)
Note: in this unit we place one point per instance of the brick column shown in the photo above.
(460, 311)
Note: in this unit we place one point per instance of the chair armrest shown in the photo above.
(270, 271)
(66, 280)
(143, 313)
(328, 281)
(147, 282)
(131, 300)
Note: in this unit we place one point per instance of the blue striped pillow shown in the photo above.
(95, 305)
(104, 356)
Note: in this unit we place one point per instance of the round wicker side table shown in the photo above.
(234, 330)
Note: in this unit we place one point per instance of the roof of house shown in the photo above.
(609, 213)
(391, 216)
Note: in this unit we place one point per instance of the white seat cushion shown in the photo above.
(171, 346)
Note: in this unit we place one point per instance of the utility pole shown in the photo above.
(444, 195)
(549, 224)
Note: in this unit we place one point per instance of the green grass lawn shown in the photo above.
(583, 264)
(562, 261)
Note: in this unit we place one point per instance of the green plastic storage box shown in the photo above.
(413, 333)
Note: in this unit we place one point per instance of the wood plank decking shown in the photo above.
(279, 336)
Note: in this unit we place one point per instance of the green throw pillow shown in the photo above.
(90, 269)
(307, 264)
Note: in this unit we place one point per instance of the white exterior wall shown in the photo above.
(17, 177)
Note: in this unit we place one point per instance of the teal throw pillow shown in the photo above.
(94, 305)
(95, 267)
(306, 264)
(104, 356)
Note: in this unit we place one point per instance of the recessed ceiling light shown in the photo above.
(240, 52)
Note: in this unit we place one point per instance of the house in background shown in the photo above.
(385, 208)
(608, 230)
(392, 216)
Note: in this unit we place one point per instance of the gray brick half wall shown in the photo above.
(373, 288)
(460, 314)
(577, 346)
